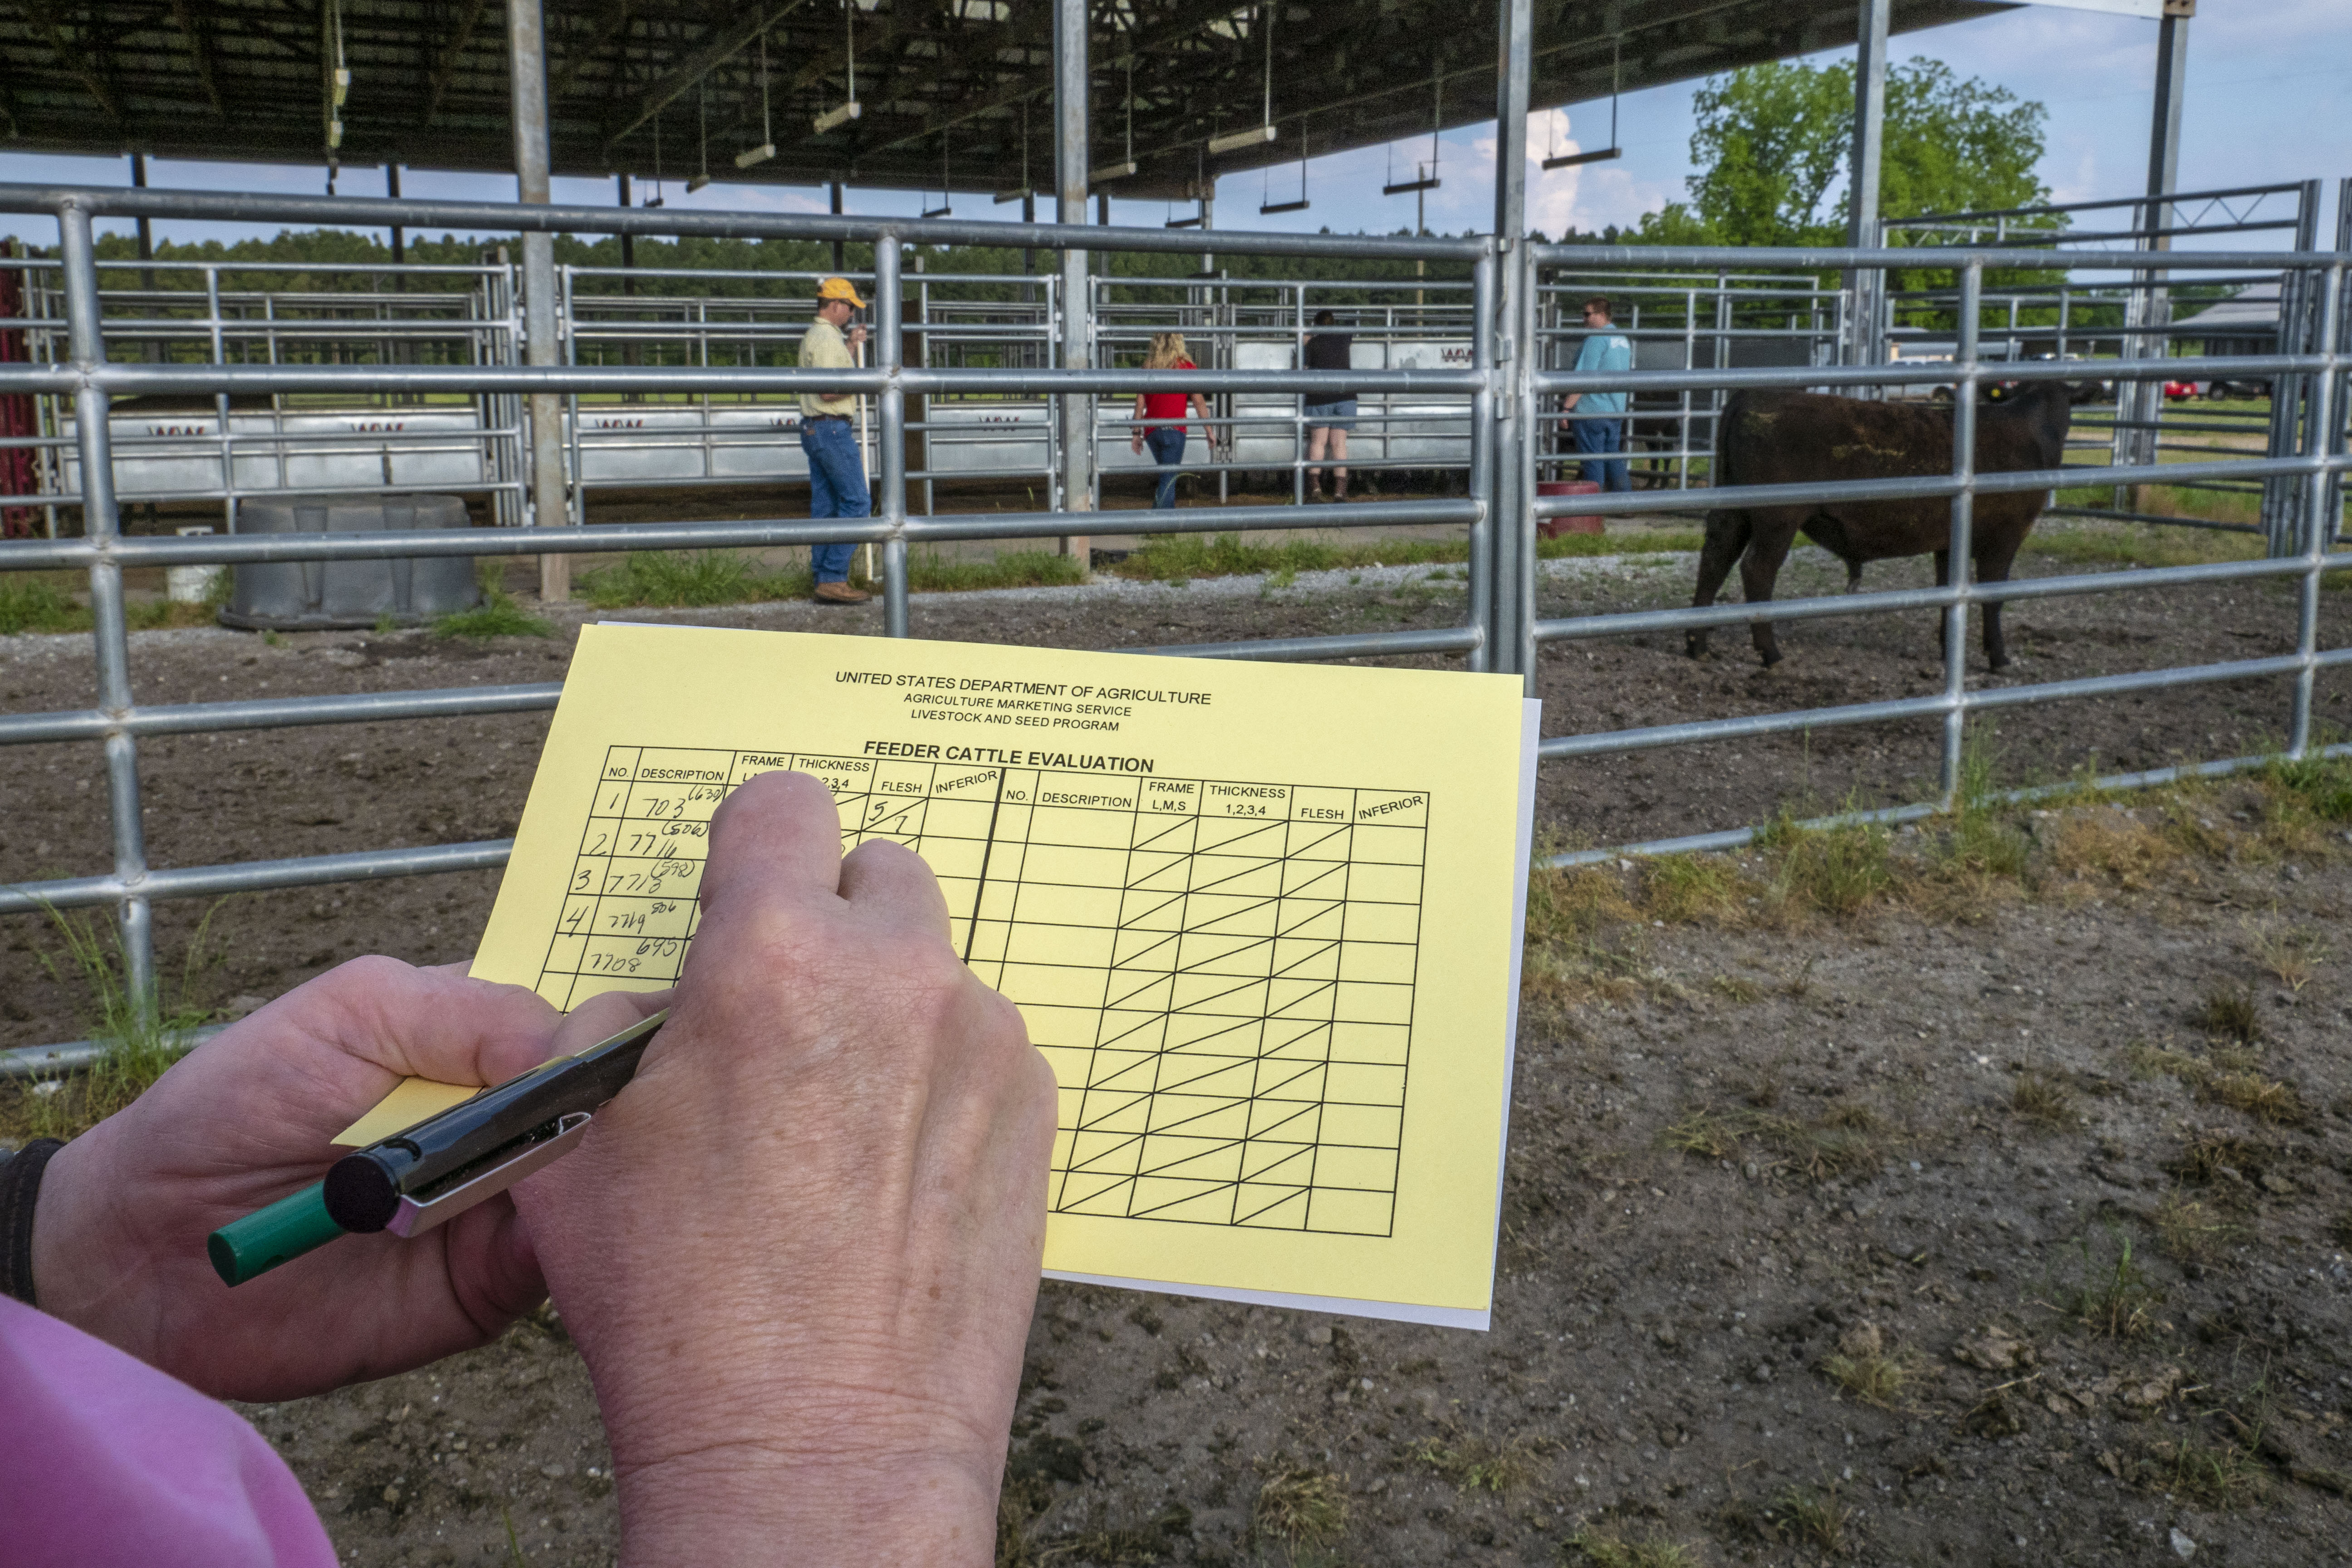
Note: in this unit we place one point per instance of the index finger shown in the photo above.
(777, 832)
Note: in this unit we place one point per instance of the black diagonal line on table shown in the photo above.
(1192, 1048)
(1174, 824)
(986, 849)
(1197, 1068)
(1305, 1069)
(1270, 1132)
(1175, 1129)
(1297, 1190)
(1312, 1024)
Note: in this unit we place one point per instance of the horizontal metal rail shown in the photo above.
(254, 876)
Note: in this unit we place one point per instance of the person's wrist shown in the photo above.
(760, 1503)
(82, 1267)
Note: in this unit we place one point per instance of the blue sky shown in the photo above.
(2265, 104)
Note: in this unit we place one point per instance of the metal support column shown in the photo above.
(1511, 629)
(839, 263)
(1962, 546)
(889, 354)
(101, 524)
(527, 55)
(1865, 288)
(2298, 332)
(2142, 407)
(2318, 529)
(1077, 301)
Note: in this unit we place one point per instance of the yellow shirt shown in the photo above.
(823, 348)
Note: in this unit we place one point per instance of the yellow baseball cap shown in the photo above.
(839, 288)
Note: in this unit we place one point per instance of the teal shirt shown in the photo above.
(1605, 351)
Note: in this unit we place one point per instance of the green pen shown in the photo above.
(424, 1176)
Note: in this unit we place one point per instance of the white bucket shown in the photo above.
(190, 584)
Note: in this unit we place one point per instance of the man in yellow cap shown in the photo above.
(829, 436)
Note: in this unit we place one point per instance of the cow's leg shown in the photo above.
(1758, 570)
(1992, 566)
(1726, 536)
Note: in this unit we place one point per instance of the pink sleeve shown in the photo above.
(105, 1459)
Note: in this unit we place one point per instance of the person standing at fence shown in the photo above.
(836, 464)
(1328, 419)
(1599, 421)
(1159, 415)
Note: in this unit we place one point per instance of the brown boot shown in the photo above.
(840, 593)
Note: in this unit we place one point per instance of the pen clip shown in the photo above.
(417, 1215)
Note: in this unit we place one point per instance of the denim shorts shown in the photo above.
(1340, 415)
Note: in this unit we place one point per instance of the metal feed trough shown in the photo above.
(1505, 369)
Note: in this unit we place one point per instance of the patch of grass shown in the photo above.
(1176, 558)
(2208, 1476)
(140, 1044)
(932, 573)
(2112, 844)
(2085, 543)
(2040, 1098)
(2227, 1013)
(1845, 1139)
(1478, 1463)
(676, 580)
(1301, 1507)
(1687, 889)
(1617, 1551)
(2322, 785)
(1571, 904)
(2111, 1296)
(2162, 1062)
(497, 616)
(1811, 1516)
(2189, 1230)
(1837, 871)
(2209, 1156)
(2263, 1099)
(1873, 1377)
(2294, 955)
(40, 601)
(1705, 1134)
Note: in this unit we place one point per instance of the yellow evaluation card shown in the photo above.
(1263, 920)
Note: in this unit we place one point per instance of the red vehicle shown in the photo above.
(2181, 391)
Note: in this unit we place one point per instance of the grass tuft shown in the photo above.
(140, 1044)
(2040, 1098)
(1301, 1507)
(676, 580)
(1478, 1463)
(1180, 558)
(33, 602)
(1617, 1551)
(498, 616)
(2114, 1298)
(1837, 871)
(2227, 1013)
(2293, 956)
(2205, 1475)
(2263, 1099)
(1873, 1377)
(2191, 1230)
(1812, 1517)
(1705, 888)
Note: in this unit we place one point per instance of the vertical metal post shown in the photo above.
(2282, 498)
(1865, 287)
(2154, 301)
(1077, 302)
(102, 526)
(1481, 463)
(889, 354)
(1513, 606)
(399, 235)
(838, 263)
(146, 226)
(527, 57)
(2319, 523)
(220, 405)
(1963, 469)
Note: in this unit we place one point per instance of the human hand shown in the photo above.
(1135, 442)
(801, 1251)
(856, 337)
(119, 1236)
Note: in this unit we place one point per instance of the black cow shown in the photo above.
(1804, 437)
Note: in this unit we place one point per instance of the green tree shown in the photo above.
(1773, 142)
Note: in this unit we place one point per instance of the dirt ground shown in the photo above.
(1787, 1272)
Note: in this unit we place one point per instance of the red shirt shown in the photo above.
(1169, 404)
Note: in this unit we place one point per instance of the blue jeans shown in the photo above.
(1166, 444)
(1597, 436)
(837, 488)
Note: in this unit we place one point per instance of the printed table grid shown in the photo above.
(1221, 973)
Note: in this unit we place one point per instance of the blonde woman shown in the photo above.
(1159, 415)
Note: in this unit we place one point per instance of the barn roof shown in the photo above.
(941, 83)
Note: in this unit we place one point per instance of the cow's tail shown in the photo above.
(1733, 418)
